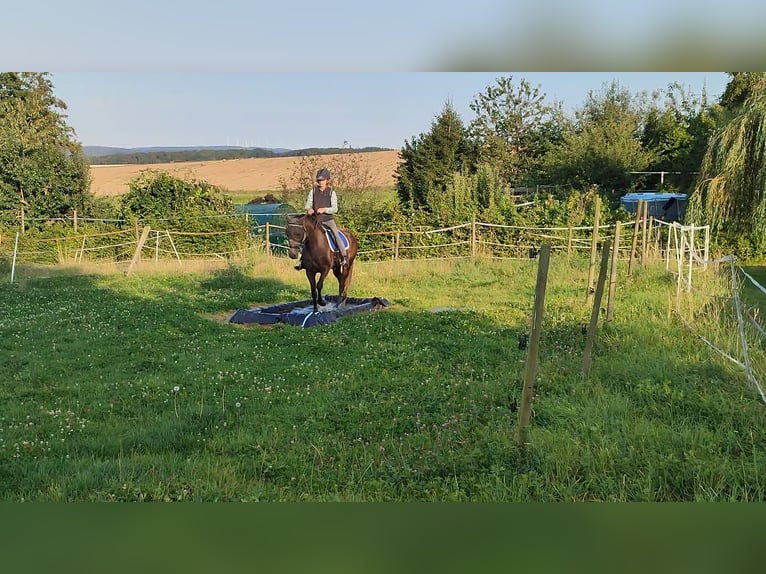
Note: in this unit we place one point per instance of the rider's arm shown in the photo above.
(333, 209)
(310, 200)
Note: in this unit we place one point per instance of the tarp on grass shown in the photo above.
(301, 313)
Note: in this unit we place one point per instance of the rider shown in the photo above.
(323, 202)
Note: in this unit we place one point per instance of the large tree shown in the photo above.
(513, 128)
(603, 144)
(430, 160)
(731, 193)
(42, 167)
(676, 131)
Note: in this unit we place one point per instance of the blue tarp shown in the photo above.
(664, 206)
(301, 313)
(273, 213)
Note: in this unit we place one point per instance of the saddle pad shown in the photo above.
(331, 240)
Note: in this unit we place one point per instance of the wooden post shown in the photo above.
(75, 220)
(396, 245)
(639, 211)
(593, 249)
(139, 247)
(591, 337)
(23, 223)
(613, 273)
(569, 241)
(473, 238)
(530, 373)
(268, 239)
(643, 233)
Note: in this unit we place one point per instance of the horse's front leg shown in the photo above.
(314, 291)
(320, 285)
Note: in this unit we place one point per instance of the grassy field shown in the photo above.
(136, 388)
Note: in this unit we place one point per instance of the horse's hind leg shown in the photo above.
(344, 281)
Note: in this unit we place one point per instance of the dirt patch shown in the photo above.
(252, 174)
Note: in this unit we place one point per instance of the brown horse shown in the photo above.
(318, 258)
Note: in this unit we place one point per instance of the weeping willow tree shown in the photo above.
(731, 192)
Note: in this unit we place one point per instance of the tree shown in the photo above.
(676, 132)
(740, 88)
(514, 128)
(731, 193)
(430, 160)
(602, 145)
(42, 166)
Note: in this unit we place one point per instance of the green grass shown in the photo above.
(135, 388)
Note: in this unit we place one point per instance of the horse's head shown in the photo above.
(296, 234)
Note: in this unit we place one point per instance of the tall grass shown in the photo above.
(136, 388)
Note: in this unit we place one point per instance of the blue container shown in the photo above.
(273, 213)
(665, 206)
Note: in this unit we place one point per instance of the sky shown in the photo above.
(297, 110)
(302, 74)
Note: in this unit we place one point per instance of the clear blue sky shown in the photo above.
(299, 110)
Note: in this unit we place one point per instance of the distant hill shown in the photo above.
(99, 150)
(101, 155)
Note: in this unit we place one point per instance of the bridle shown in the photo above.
(292, 227)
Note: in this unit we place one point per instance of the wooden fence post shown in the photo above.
(268, 239)
(643, 233)
(530, 373)
(139, 247)
(613, 273)
(396, 245)
(639, 210)
(569, 241)
(473, 238)
(591, 336)
(593, 249)
(75, 220)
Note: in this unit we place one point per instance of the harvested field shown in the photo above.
(252, 174)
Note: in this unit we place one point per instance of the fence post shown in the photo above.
(596, 309)
(268, 239)
(613, 273)
(569, 241)
(643, 233)
(139, 247)
(593, 250)
(639, 211)
(75, 220)
(473, 238)
(530, 373)
(23, 224)
(396, 245)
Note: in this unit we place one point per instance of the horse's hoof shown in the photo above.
(321, 302)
